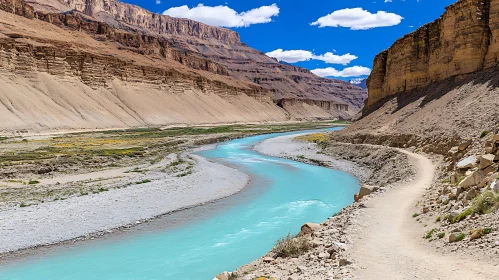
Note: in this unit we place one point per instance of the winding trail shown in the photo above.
(391, 246)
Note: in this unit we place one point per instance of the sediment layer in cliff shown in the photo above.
(463, 40)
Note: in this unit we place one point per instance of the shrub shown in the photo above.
(485, 203)
(438, 219)
(33, 182)
(291, 247)
(415, 215)
(441, 235)
(484, 133)
(430, 233)
(460, 236)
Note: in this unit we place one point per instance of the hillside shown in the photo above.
(105, 64)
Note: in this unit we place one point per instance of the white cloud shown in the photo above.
(224, 15)
(354, 71)
(293, 56)
(358, 19)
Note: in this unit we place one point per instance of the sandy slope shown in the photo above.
(392, 247)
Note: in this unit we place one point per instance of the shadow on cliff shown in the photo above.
(436, 90)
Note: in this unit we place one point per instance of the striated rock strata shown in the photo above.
(462, 41)
(193, 43)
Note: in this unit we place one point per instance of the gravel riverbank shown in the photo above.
(162, 192)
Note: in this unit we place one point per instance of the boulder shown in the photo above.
(356, 197)
(453, 237)
(464, 144)
(473, 180)
(367, 190)
(309, 228)
(486, 160)
(467, 163)
(495, 138)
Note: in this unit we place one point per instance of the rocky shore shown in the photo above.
(410, 220)
(327, 243)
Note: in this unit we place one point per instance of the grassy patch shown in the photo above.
(430, 233)
(463, 215)
(291, 247)
(314, 138)
(33, 182)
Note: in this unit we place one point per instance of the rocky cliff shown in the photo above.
(463, 40)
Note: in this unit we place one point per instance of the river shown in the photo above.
(199, 243)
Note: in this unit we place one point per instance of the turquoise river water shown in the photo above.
(199, 243)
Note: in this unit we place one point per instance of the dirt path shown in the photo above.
(391, 246)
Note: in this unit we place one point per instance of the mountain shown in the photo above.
(360, 82)
(82, 64)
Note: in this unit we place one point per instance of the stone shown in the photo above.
(344, 262)
(490, 147)
(356, 197)
(453, 237)
(486, 161)
(455, 154)
(324, 255)
(470, 194)
(464, 144)
(467, 163)
(476, 234)
(495, 138)
(222, 276)
(309, 228)
(268, 260)
(367, 190)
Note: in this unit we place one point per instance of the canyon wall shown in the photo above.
(463, 40)
(67, 65)
(195, 44)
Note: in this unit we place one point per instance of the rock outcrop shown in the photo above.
(462, 41)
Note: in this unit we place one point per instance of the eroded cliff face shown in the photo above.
(220, 48)
(463, 40)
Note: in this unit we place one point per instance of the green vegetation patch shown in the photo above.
(463, 215)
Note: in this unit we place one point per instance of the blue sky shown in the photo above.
(286, 25)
